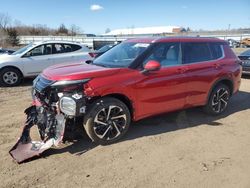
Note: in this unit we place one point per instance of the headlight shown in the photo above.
(68, 106)
(69, 82)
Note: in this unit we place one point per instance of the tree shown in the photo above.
(12, 36)
(74, 30)
(62, 30)
(5, 21)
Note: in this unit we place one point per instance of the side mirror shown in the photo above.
(152, 65)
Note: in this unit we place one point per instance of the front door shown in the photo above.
(163, 90)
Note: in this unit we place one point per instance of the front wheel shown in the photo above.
(107, 120)
(10, 77)
(218, 100)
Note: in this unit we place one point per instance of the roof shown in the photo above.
(175, 39)
(55, 41)
(143, 30)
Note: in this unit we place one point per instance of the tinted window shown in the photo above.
(167, 54)
(48, 49)
(58, 48)
(196, 52)
(215, 50)
(75, 47)
(67, 48)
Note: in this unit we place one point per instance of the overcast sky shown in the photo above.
(95, 16)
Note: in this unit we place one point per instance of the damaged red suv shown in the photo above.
(136, 79)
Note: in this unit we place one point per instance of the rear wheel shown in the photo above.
(10, 77)
(218, 100)
(107, 120)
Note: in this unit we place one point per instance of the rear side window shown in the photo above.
(75, 47)
(216, 50)
(196, 52)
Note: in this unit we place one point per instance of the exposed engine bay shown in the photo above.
(54, 104)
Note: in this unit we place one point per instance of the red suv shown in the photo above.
(136, 79)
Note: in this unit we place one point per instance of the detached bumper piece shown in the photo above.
(51, 128)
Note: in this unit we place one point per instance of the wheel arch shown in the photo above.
(13, 67)
(120, 97)
(226, 81)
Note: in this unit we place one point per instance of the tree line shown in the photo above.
(10, 30)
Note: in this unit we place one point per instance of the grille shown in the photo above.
(40, 83)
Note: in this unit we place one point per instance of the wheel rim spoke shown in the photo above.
(120, 116)
(118, 131)
(104, 134)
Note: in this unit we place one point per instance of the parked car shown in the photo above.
(6, 51)
(102, 50)
(30, 60)
(245, 42)
(245, 61)
(136, 79)
(233, 43)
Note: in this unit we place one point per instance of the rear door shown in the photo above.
(163, 90)
(68, 53)
(203, 60)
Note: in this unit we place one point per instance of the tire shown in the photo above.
(218, 100)
(10, 77)
(101, 122)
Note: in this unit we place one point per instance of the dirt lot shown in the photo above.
(182, 149)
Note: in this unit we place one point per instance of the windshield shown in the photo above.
(21, 50)
(105, 48)
(245, 53)
(121, 55)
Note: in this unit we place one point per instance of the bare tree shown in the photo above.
(74, 30)
(5, 21)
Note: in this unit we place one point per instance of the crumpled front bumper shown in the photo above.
(25, 148)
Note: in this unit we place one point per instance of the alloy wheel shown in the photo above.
(110, 122)
(10, 77)
(220, 100)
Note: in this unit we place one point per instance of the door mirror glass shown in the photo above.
(152, 65)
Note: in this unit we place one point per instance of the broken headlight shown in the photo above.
(72, 104)
(68, 106)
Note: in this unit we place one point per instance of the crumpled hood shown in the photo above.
(77, 71)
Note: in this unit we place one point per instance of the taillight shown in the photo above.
(92, 54)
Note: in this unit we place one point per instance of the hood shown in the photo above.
(77, 71)
(7, 57)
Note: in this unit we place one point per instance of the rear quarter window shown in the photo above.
(216, 50)
(75, 47)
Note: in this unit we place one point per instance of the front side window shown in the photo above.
(167, 54)
(195, 52)
(121, 55)
(37, 51)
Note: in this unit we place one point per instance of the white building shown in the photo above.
(145, 31)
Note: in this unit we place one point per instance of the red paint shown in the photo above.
(165, 90)
(152, 66)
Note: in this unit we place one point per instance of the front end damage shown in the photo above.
(54, 104)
